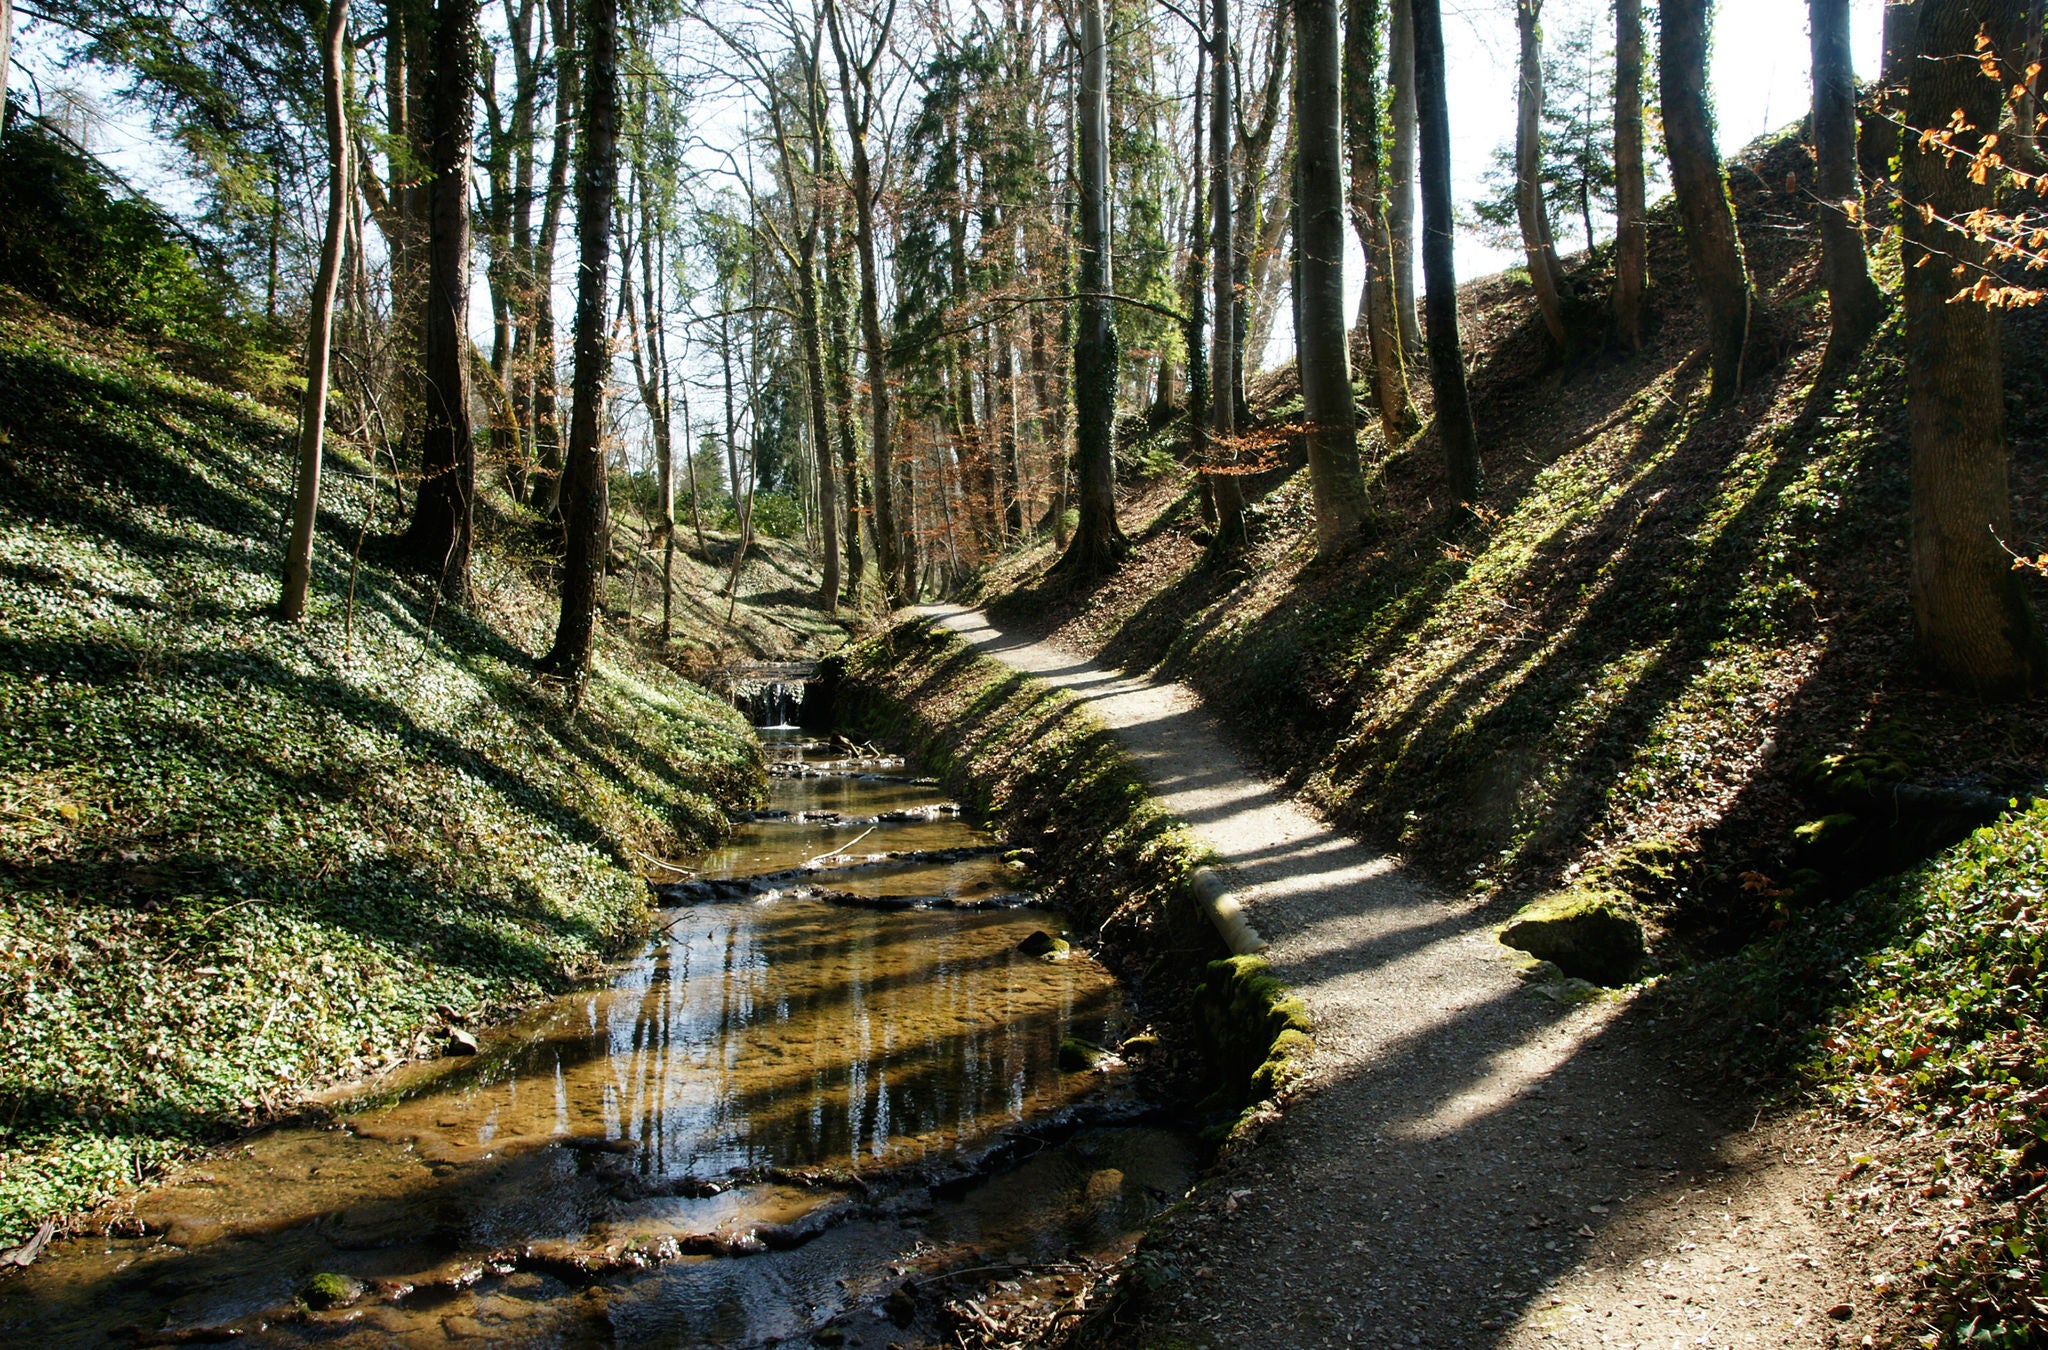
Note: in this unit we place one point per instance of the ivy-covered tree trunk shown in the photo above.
(298, 554)
(1098, 541)
(1632, 232)
(438, 539)
(1454, 426)
(586, 505)
(1323, 345)
(1368, 217)
(857, 83)
(1855, 304)
(1975, 627)
(846, 424)
(1718, 271)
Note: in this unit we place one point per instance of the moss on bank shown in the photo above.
(1032, 761)
(239, 860)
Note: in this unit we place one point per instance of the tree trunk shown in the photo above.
(1401, 171)
(839, 361)
(1855, 304)
(1323, 347)
(1454, 425)
(1006, 441)
(1969, 608)
(1368, 217)
(439, 537)
(821, 430)
(1261, 293)
(298, 555)
(1703, 208)
(2026, 109)
(1901, 41)
(1224, 487)
(1545, 276)
(1098, 541)
(547, 429)
(6, 54)
(889, 554)
(1194, 331)
(1632, 233)
(586, 505)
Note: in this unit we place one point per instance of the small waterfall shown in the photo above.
(772, 695)
(777, 707)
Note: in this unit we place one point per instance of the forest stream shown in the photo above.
(825, 1099)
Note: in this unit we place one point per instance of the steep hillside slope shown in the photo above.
(239, 860)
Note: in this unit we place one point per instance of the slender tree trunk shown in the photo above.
(1632, 234)
(1007, 445)
(1368, 217)
(586, 505)
(439, 537)
(1098, 541)
(1276, 238)
(1702, 191)
(1196, 299)
(1323, 347)
(6, 54)
(1401, 161)
(821, 430)
(1454, 425)
(1855, 304)
(690, 465)
(1546, 277)
(840, 363)
(298, 556)
(547, 431)
(1974, 624)
(1225, 487)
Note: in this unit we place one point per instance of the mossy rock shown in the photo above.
(1851, 775)
(1830, 831)
(1588, 934)
(328, 1290)
(1042, 943)
(1079, 1056)
(1286, 1064)
(1644, 871)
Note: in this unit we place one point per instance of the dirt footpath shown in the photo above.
(1472, 1164)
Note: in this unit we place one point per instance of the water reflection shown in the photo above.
(767, 1073)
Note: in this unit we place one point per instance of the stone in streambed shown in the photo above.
(1042, 943)
(328, 1290)
(1588, 934)
(1079, 1056)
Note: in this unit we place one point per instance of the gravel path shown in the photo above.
(1471, 1164)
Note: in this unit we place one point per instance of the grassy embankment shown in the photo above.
(1673, 659)
(240, 860)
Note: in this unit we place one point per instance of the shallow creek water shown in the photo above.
(787, 1109)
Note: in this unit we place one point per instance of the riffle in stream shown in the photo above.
(832, 1081)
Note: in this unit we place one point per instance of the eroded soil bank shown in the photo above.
(842, 1072)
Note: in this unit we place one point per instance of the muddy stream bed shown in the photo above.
(824, 1102)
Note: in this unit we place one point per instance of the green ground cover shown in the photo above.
(240, 860)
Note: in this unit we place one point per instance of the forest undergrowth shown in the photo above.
(1672, 658)
(240, 860)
